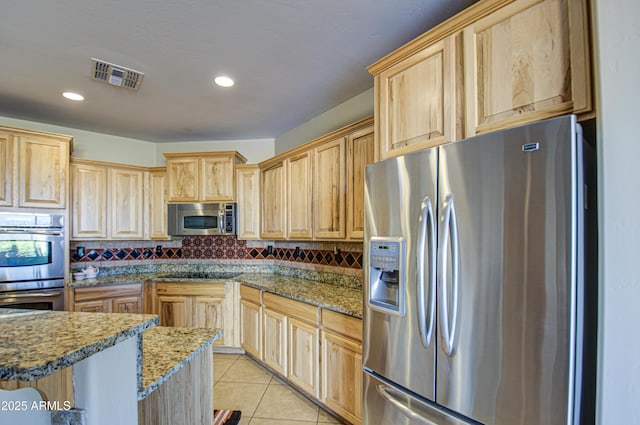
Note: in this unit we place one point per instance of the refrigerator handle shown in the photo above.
(426, 246)
(387, 393)
(449, 322)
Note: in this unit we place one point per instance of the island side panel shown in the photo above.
(185, 398)
(107, 385)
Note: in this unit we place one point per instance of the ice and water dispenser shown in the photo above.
(386, 275)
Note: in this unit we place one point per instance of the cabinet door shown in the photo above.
(89, 204)
(208, 312)
(329, 179)
(6, 169)
(248, 199)
(417, 100)
(156, 202)
(126, 203)
(98, 306)
(299, 175)
(274, 211)
(250, 328)
(525, 62)
(174, 311)
(43, 172)
(342, 376)
(217, 180)
(360, 153)
(131, 305)
(304, 356)
(183, 179)
(274, 352)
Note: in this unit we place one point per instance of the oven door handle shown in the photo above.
(31, 232)
(32, 295)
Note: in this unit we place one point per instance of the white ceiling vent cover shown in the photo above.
(115, 74)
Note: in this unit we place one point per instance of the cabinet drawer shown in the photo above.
(250, 294)
(177, 288)
(342, 324)
(107, 291)
(292, 308)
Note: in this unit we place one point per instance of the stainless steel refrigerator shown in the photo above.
(475, 258)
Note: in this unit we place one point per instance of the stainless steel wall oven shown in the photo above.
(32, 248)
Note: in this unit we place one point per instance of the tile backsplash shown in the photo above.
(219, 248)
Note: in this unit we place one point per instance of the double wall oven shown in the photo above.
(32, 261)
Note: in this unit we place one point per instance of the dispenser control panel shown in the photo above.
(387, 282)
(384, 255)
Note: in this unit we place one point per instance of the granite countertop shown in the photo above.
(165, 350)
(331, 296)
(35, 344)
(326, 295)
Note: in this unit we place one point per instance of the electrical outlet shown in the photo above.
(159, 250)
(269, 249)
(296, 253)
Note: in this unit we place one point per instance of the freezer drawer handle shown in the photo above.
(449, 232)
(426, 242)
(388, 394)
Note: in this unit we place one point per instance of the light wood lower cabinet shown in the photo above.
(304, 352)
(321, 358)
(341, 340)
(274, 352)
(120, 298)
(197, 305)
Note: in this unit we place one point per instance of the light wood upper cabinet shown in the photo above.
(34, 169)
(528, 61)
(43, 172)
(329, 181)
(217, 179)
(299, 205)
(6, 169)
(273, 181)
(360, 153)
(248, 199)
(89, 201)
(156, 204)
(183, 179)
(202, 176)
(107, 201)
(416, 100)
(126, 203)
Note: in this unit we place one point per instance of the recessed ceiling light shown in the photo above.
(223, 81)
(73, 96)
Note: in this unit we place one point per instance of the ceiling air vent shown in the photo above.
(115, 74)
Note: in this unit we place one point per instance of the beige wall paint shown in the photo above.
(354, 109)
(98, 146)
(255, 150)
(109, 148)
(616, 40)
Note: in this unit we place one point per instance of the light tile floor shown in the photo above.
(241, 384)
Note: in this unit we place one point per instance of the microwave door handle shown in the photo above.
(221, 222)
(31, 295)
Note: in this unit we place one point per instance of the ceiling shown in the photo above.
(291, 59)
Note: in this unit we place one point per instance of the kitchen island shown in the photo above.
(118, 362)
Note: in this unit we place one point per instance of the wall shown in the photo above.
(255, 150)
(98, 146)
(617, 42)
(354, 109)
(109, 148)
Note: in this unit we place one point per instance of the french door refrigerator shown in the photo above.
(474, 265)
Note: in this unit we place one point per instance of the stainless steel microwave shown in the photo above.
(202, 219)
